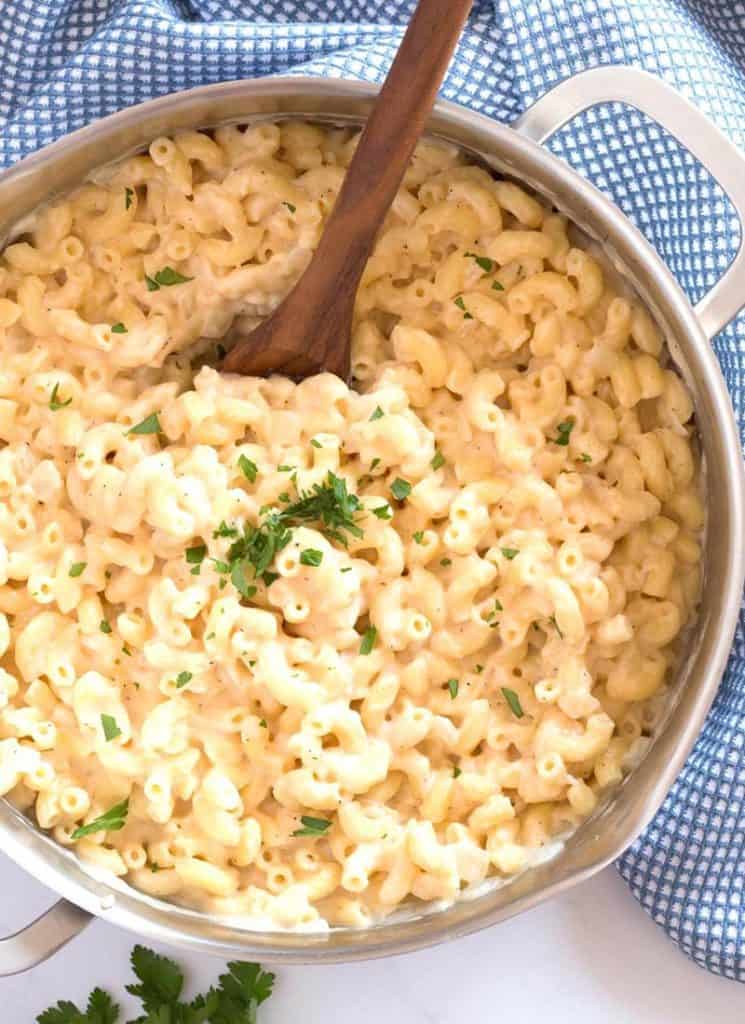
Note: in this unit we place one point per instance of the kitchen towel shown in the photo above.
(63, 63)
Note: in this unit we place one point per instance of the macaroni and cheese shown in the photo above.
(304, 651)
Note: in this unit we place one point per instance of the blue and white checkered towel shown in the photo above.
(64, 63)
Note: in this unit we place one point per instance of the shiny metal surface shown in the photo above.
(510, 152)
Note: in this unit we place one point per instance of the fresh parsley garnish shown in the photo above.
(368, 640)
(195, 555)
(224, 530)
(555, 624)
(54, 402)
(104, 626)
(514, 702)
(419, 536)
(453, 685)
(497, 287)
(311, 556)
(316, 443)
(377, 414)
(584, 457)
(459, 302)
(563, 430)
(456, 771)
(248, 468)
(119, 328)
(77, 569)
(484, 262)
(312, 826)
(182, 679)
(400, 489)
(165, 278)
(510, 553)
(110, 729)
(438, 460)
(150, 425)
(110, 821)
(290, 206)
(383, 511)
(128, 193)
(445, 562)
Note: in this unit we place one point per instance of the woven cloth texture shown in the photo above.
(67, 62)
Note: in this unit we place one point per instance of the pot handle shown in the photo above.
(654, 97)
(39, 940)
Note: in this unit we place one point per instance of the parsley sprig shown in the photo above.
(160, 983)
(329, 504)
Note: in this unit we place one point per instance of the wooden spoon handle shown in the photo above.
(325, 293)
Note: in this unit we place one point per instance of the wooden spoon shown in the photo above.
(310, 330)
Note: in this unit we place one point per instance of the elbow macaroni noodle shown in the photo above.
(441, 695)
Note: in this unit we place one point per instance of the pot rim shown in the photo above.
(594, 847)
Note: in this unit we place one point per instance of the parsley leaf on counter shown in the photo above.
(234, 1000)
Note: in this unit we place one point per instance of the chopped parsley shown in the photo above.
(119, 328)
(368, 640)
(584, 457)
(311, 556)
(182, 679)
(316, 443)
(510, 553)
(456, 771)
(104, 626)
(77, 569)
(290, 206)
(563, 430)
(312, 826)
(498, 605)
(383, 511)
(438, 460)
(195, 555)
(419, 536)
(497, 286)
(453, 685)
(224, 530)
(248, 468)
(128, 193)
(378, 414)
(484, 262)
(555, 624)
(150, 425)
(285, 469)
(54, 402)
(445, 562)
(110, 821)
(400, 489)
(262, 724)
(110, 729)
(514, 702)
(165, 278)
(347, 568)
(479, 669)
(461, 305)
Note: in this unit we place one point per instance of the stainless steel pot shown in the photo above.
(517, 152)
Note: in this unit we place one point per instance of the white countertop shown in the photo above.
(589, 957)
